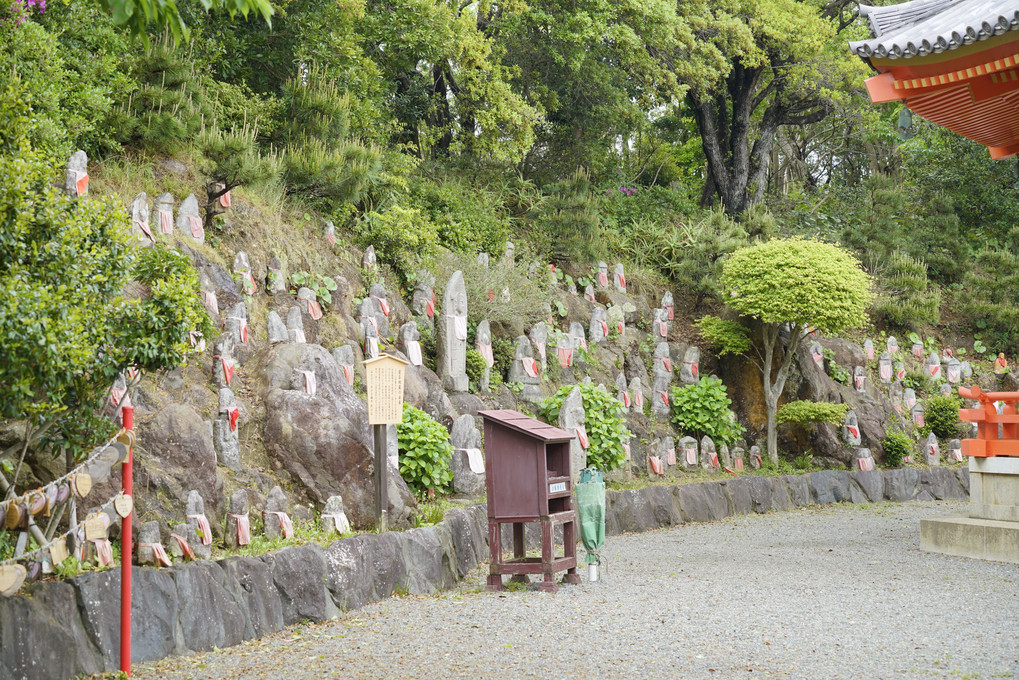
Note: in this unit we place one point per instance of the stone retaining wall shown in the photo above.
(60, 629)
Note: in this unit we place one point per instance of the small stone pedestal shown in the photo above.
(990, 531)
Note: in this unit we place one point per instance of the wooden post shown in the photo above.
(385, 407)
(381, 478)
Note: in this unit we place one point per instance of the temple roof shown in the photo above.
(922, 27)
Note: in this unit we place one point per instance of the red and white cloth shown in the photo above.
(885, 371)
(638, 398)
(104, 549)
(565, 356)
(693, 366)
(459, 326)
(242, 326)
(582, 437)
(143, 226)
(818, 357)
(339, 522)
(530, 366)
(243, 525)
(165, 221)
(738, 464)
(429, 305)
(935, 370)
(383, 304)
(314, 308)
(210, 302)
(664, 396)
(348, 373)
(117, 395)
(670, 457)
(234, 414)
(621, 327)
(485, 350)
(81, 183)
(666, 362)
(656, 465)
(624, 396)
(690, 453)
(286, 526)
(620, 281)
(865, 464)
(159, 553)
(858, 381)
(227, 363)
(853, 430)
(371, 346)
(672, 312)
(413, 348)
(298, 335)
(185, 547)
(196, 226)
(663, 328)
(603, 279)
(604, 328)
(310, 383)
(203, 528)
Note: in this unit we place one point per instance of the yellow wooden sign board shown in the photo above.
(385, 389)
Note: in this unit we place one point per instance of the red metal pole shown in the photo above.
(125, 554)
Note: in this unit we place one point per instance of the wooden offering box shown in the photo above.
(528, 479)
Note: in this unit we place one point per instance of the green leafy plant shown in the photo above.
(425, 452)
(322, 285)
(725, 337)
(804, 412)
(835, 370)
(941, 415)
(603, 420)
(920, 381)
(897, 446)
(704, 409)
(475, 367)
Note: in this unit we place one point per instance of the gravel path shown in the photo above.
(834, 592)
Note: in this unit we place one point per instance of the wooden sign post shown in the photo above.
(385, 407)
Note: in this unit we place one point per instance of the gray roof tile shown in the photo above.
(922, 27)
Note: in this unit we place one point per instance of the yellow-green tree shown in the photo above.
(793, 283)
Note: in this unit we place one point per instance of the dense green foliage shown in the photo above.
(425, 452)
(603, 421)
(703, 409)
(66, 326)
(897, 446)
(726, 337)
(941, 416)
(804, 283)
(806, 412)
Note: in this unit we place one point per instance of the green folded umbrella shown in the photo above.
(591, 510)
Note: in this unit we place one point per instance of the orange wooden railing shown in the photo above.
(987, 418)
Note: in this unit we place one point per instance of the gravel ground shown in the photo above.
(833, 592)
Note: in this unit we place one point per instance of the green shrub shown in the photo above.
(425, 452)
(704, 409)
(401, 236)
(528, 293)
(468, 219)
(603, 420)
(921, 382)
(897, 446)
(941, 415)
(475, 367)
(568, 222)
(804, 412)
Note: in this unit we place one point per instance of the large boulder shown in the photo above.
(324, 440)
(179, 457)
(209, 615)
(42, 636)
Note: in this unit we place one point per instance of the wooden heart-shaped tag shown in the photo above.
(123, 505)
(15, 514)
(95, 529)
(82, 484)
(58, 551)
(11, 578)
